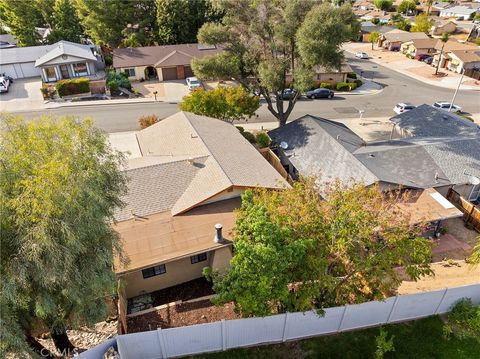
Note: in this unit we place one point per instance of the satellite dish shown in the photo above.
(474, 180)
(283, 145)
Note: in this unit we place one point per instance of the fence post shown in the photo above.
(341, 319)
(224, 335)
(161, 339)
(285, 324)
(441, 301)
(393, 308)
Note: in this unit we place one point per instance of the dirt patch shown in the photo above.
(181, 315)
(427, 72)
(456, 227)
(196, 288)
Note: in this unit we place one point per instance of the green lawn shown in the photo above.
(420, 339)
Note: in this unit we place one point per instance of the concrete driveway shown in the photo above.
(167, 91)
(24, 95)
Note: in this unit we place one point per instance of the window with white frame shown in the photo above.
(198, 258)
(50, 73)
(130, 72)
(475, 193)
(80, 69)
(153, 271)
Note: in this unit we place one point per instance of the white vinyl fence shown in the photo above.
(228, 334)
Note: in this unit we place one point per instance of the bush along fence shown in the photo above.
(73, 87)
(229, 334)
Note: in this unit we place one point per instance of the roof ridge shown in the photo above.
(163, 163)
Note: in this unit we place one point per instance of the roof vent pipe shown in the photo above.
(218, 233)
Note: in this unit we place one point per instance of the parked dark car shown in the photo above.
(428, 60)
(287, 94)
(421, 57)
(320, 93)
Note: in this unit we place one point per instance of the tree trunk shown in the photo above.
(38, 348)
(61, 341)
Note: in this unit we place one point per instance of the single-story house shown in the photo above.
(363, 5)
(61, 60)
(459, 12)
(439, 27)
(449, 46)
(169, 62)
(382, 16)
(367, 27)
(419, 47)
(186, 175)
(329, 150)
(460, 60)
(329, 75)
(392, 40)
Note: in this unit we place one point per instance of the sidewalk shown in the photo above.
(53, 105)
(368, 88)
(416, 69)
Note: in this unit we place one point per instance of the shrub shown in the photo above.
(241, 129)
(249, 136)
(352, 75)
(47, 91)
(148, 120)
(326, 85)
(263, 140)
(410, 56)
(342, 86)
(108, 59)
(358, 82)
(352, 86)
(72, 87)
(463, 321)
(375, 21)
(116, 80)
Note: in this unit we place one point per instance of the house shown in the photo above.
(463, 60)
(63, 59)
(441, 26)
(328, 75)
(459, 12)
(366, 28)
(7, 41)
(419, 47)
(363, 5)
(449, 46)
(186, 174)
(169, 62)
(329, 150)
(392, 40)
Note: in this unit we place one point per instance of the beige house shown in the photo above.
(169, 62)
(450, 45)
(441, 26)
(419, 47)
(392, 40)
(460, 60)
(329, 75)
(186, 174)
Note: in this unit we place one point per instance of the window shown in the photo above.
(51, 74)
(80, 69)
(130, 72)
(198, 258)
(475, 193)
(153, 271)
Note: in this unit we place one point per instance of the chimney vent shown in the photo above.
(218, 233)
(190, 160)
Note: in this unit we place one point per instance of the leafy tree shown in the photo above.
(225, 103)
(429, 4)
(21, 17)
(423, 23)
(296, 252)
(373, 37)
(65, 23)
(475, 257)
(141, 28)
(271, 45)
(383, 4)
(444, 40)
(403, 24)
(407, 6)
(59, 186)
(179, 20)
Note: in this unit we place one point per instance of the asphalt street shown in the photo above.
(397, 88)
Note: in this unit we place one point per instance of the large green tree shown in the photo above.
(225, 103)
(383, 4)
(296, 252)
(407, 6)
(21, 17)
(59, 186)
(179, 20)
(65, 22)
(269, 46)
(423, 23)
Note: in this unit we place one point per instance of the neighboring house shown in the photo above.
(329, 75)
(449, 46)
(440, 27)
(419, 47)
(392, 40)
(63, 59)
(363, 5)
(169, 62)
(382, 16)
(459, 12)
(7, 41)
(367, 28)
(461, 60)
(186, 174)
(330, 151)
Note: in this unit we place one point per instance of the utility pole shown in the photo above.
(456, 91)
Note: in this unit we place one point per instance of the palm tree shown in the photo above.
(444, 40)
(429, 3)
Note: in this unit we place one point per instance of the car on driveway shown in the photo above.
(193, 83)
(361, 55)
(287, 94)
(445, 106)
(428, 60)
(403, 107)
(320, 93)
(4, 84)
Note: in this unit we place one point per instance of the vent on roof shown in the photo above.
(283, 145)
(218, 233)
(371, 155)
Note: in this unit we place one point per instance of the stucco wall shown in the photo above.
(139, 72)
(220, 259)
(236, 192)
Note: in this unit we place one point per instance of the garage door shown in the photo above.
(9, 70)
(29, 69)
(188, 71)
(169, 73)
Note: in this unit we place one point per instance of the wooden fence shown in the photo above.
(471, 213)
(274, 161)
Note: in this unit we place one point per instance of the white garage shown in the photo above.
(19, 62)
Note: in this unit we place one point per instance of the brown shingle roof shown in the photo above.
(403, 36)
(467, 56)
(452, 45)
(168, 55)
(424, 43)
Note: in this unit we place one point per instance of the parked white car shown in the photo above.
(4, 84)
(445, 106)
(403, 107)
(361, 55)
(193, 83)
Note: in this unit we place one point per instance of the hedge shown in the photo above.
(343, 86)
(326, 85)
(352, 75)
(263, 140)
(73, 86)
(358, 82)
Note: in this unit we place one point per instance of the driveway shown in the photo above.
(24, 95)
(167, 91)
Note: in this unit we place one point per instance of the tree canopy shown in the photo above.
(225, 103)
(296, 252)
(59, 185)
(373, 37)
(269, 46)
(407, 6)
(21, 17)
(423, 23)
(65, 23)
(383, 4)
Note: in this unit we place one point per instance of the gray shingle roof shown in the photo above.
(66, 48)
(427, 121)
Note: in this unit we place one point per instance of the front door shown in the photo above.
(64, 72)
